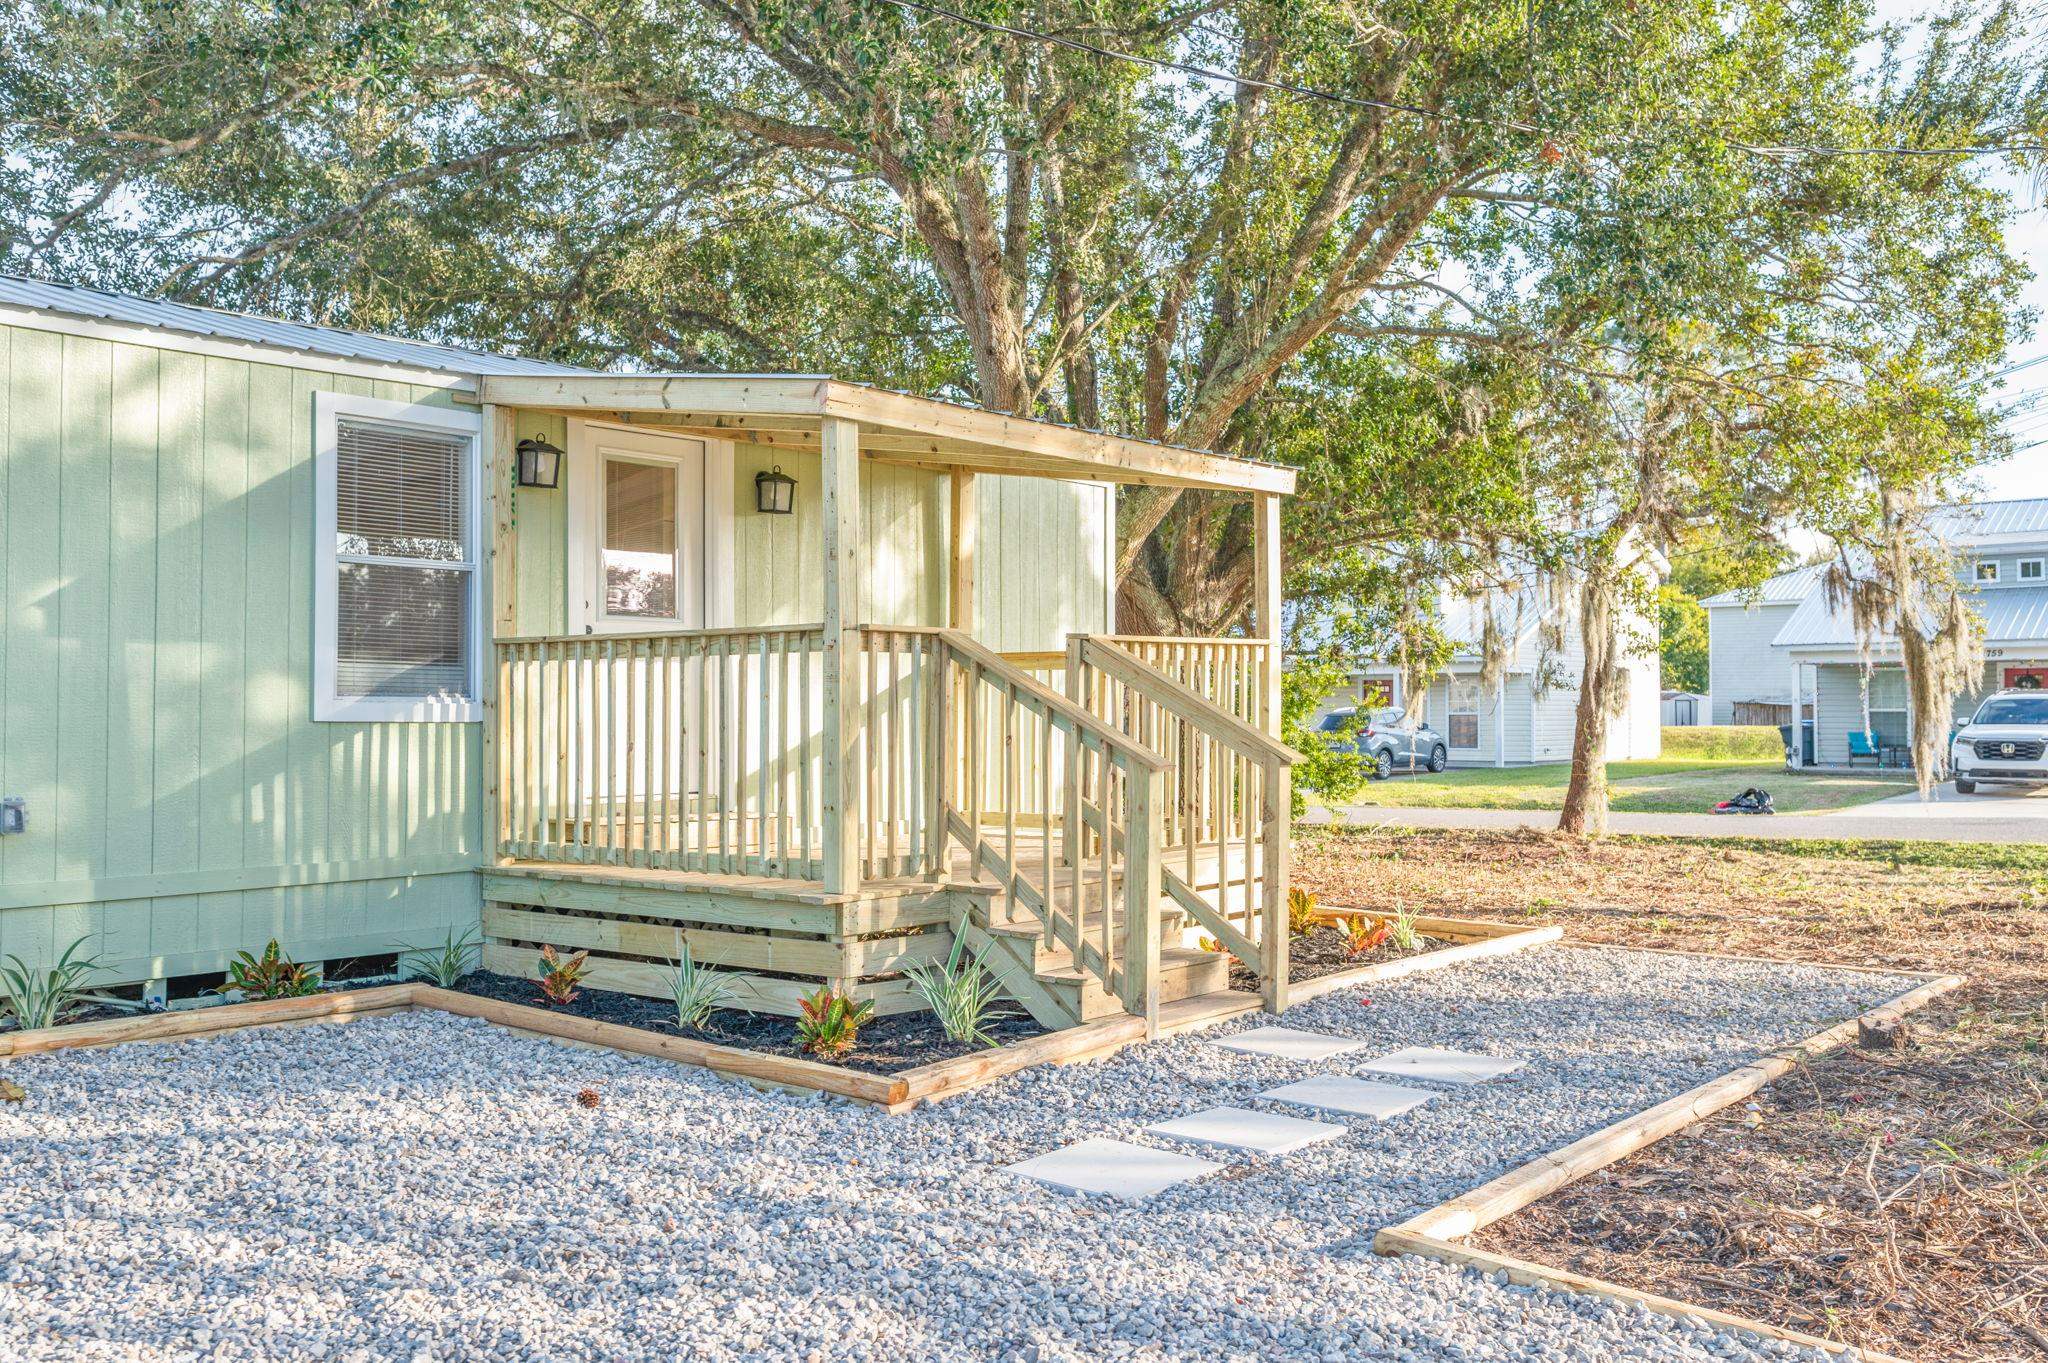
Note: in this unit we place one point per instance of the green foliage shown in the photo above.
(1724, 742)
(559, 975)
(1401, 928)
(41, 997)
(962, 993)
(696, 990)
(1326, 770)
(270, 976)
(446, 964)
(1682, 639)
(829, 1023)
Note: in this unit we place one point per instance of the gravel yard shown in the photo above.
(428, 1187)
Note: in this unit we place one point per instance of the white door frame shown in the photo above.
(708, 581)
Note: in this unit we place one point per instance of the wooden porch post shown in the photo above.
(497, 583)
(839, 447)
(1277, 794)
(966, 529)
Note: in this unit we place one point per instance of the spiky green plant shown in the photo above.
(697, 990)
(961, 992)
(1401, 927)
(443, 965)
(273, 975)
(41, 997)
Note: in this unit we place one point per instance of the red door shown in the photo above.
(2026, 678)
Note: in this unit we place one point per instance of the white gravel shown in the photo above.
(426, 1187)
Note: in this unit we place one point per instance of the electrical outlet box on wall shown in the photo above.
(13, 815)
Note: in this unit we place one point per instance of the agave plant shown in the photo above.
(961, 992)
(697, 990)
(446, 964)
(829, 1022)
(41, 998)
(273, 975)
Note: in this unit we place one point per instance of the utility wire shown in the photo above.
(1420, 111)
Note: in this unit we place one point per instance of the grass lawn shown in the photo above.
(1893, 1199)
(1673, 785)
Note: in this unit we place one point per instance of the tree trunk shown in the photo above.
(1585, 799)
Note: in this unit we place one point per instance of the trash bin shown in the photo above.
(1805, 742)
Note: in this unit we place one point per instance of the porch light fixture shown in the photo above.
(774, 493)
(540, 463)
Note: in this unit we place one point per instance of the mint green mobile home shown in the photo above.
(352, 641)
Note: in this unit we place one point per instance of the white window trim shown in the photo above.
(582, 500)
(2019, 572)
(1977, 572)
(328, 705)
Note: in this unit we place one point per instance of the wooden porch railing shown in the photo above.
(1229, 791)
(1091, 885)
(691, 751)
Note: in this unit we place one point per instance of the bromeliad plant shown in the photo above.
(697, 990)
(961, 992)
(1363, 933)
(559, 976)
(273, 975)
(829, 1022)
(1301, 913)
(446, 964)
(41, 997)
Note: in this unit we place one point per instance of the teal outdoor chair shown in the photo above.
(1863, 743)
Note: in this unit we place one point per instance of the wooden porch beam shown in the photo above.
(840, 778)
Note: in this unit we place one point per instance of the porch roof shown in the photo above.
(787, 410)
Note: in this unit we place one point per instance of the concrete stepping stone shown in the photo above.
(1242, 1128)
(1445, 1067)
(1288, 1043)
(1117, 1168)
(1353, 1097)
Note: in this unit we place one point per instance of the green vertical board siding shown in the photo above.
(540, 535)
(156, 597)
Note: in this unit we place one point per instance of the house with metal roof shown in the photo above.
(1789, 631)
(359, 642)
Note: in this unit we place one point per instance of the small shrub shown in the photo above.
(697, 991)
(1401, 927)
(1301, 913)
(273, 975)
(1363, 934)
(961, 992)
(829, 1023)
(444, 965)
(41, 998)
(559, 976)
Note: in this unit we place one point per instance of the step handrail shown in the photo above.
(1012, 675)
(1173, 694)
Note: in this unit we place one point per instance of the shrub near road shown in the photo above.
(1893, 1199)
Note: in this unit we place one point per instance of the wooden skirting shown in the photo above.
(1476, 939)
(1432, 1233)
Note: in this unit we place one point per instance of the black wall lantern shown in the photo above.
(540, 463)
(774, 493)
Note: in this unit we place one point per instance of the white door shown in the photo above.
(636, 529)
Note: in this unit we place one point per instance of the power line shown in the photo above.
(1420, 111)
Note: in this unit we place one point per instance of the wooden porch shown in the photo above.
(833, 802)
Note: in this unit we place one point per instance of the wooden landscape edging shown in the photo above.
(1476, 940)
(1432, 1232)
(376, 1001)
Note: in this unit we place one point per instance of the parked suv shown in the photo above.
(1391, 745)
(2005, 742)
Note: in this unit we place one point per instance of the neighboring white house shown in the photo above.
(1683, 709)
(1528, 715)
(1814, 651)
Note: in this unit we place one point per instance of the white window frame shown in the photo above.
(1984, 572)
(2040, 573)
(329, 409)
(711, 576)
(1452, 709)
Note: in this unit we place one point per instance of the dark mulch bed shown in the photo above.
(1325, 952)
(887, 1045)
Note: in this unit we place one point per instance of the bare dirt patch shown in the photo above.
(1893, 1198)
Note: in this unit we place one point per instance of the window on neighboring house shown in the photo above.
(1986, 570)
(1461, 719)
(2030, 570)
(397, 626)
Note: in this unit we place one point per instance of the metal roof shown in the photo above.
(1978, 522)
(1785, 589)
(2009, 615)
(98, 305)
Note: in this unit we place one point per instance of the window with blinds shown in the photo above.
(397, 627)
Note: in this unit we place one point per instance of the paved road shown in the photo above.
(1987, 816)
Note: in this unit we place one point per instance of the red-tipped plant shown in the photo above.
(559, 976)
(1363, 934)
(829, 1023)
